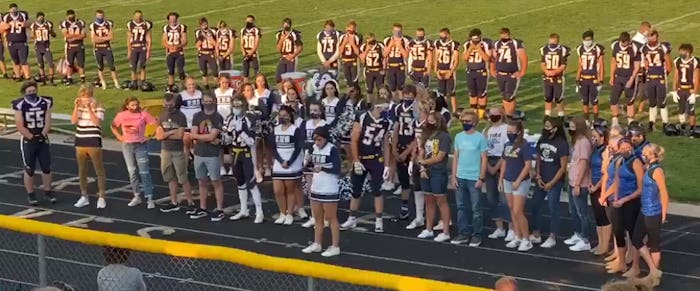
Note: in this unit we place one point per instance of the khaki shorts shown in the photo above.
(173, 164)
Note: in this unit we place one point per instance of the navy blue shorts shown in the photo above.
(436, 184)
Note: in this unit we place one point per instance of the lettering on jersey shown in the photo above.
(506, 55)
(419, 53)
(329, 43)
(395, 56)
(554, 56)
(173, 34)
(475, 61)
(74, 28)
(248, 37)
(588, 58)
(624, 58)
(138, 31)
(283, 139)
(34, 114)
(225, 37)
(17, 32)
(445, 53)
(42, 32)
(348, 53)
(373, 57)
(686, 71)
(654, 58)
(319, 159)
(206, 39)
(291, 40)
(102, 30)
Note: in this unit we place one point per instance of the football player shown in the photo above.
(174, 41)
(16, 38)
(206, 48)
(138, 44)
(508, 67)
(402, 145)
(624, 68)
(289, 45)
(102, 34)
(74, 33)
(477, 55)
(446, 62)
(640, 38)
(420, 58)
(328, 45)
(33, 121)
(657, 61)
(553, 65)
(224, 45)
(42, 32)
(685, 84)
(589, 76)
(250, 40)
(3, 28)
(350, 42)
(396, 53)
(372, 57)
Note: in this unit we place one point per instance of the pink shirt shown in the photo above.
(582, 150)
(133, 125)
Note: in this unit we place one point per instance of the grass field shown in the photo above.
(532, 21)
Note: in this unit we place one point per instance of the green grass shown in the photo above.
(532, 21)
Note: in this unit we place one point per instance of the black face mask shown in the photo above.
(549, 133)
(420, 38)
(249, 25)
(476, 41)
(71, 18)
(443, 38)
(372, 42)
(287, 28)
(505, 39)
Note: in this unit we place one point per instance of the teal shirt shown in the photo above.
(469, 147)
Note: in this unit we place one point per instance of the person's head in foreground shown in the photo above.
(506, 284)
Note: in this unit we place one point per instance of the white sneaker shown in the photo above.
(349, 224)
(301, 213)
(309, 223)
(326, 224)
(135, 201)
(498, 233)
(580, 246)
(513, 244)
(101, 203)
(535, 239)
(510, 236)
(331, 252)
(439, 226)
(240, 215)
(82, 202)
(268, 173)
(549, 243)
(258, 176)
(378, 224)
(525, 245)
(442, 237)
(259, 217)
(387, 186)
(150, 204)
(223, 171)
(280, 219)
(416, 223)
(398, 191)
(288, 219)
(312, 248)
(426, 234)
(574, 239)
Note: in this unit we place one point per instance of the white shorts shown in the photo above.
(521, 191)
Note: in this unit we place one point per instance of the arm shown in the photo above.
(161, 134)
(183, 38)
(455, 61)
(388, 161)
(601, 69)
(455, 158)
(19, 123)
(564, 160)
(612, 189)
(336, 55)
(660, 179)
(96, 117)
(116, 132)
(484, 165)
(485, 55)
(522, 56)
(676, 77)
(273, 145)
(299, 136)
(696, 82)
(581, 165)
(164, 42)
(74, 115)
(149, 41)
(335, 162)
(613, 68)
(523, 174)
(47, 122)
(355, 139)
(280, 39)
(395, 137)
(667, 63)
(177, 134)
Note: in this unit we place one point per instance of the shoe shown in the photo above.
(416, 223)
(312, 248)
(309, 223)
(240, 215)
(535, 239)
(258, 176)
(460, 239)
(190, 209)
(217, 215)
(82, 202)
(199, 214)
(442, 237)
(580, 246)
(288, 219)
(426, 234)
(378, 225)
(280, 219)
(326, 223)
(259, 217)
(349, 224)
(475, 241)
(513, 244)
(150, 204)
(101, 203)
(135, 201)
(404, 213)
(31, 198)
(439, 226)
(525, 245)
(510, 236)
(398, 190)
(50, 197)
(301, 213)
(549, 243)
(574, 239)
(223, 171)
(331, 252)
(170, 208)
(498, 233)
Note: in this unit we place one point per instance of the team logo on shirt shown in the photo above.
(204, 127)
(548, 152)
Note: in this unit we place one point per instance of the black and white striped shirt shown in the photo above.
(89, 134)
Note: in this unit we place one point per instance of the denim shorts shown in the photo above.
(207, 167)
(436, 184)
(521, 191)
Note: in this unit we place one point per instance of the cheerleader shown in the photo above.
(286, 142)
(331, 103)
(241, 141)
(316, 120)
(325, 161)
(286, 85)
(294, 101)
(191, 103)
(223, 106)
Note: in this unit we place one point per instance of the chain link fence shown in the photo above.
(28, 261)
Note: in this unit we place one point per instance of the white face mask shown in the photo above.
(236, 111)
(587, 43)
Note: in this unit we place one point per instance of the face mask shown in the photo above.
(249, 25)
(99, 20)
(587, 43)
(467, 126)
(408, 102)
(315, 115)
(505, 39)
(684, 55)
(287, 28)
(209, 107)
(283, 120)
(384, 114)
(398, 34)
(512, 137)
(40, 20)
(653, 43)
(71, 18)
(571, 132)
(626, 154)
(170, 108)
(476, 41)
(645, 159)
(14, 13)
(548, 132)
(495, 118)
(420, 38)
(553, 45)
(31, 97)
(443, 38)
(236, 111)
(431, 126)
(329, 31)
(372, 42)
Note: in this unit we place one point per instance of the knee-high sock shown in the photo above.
(419, 198)
(243, 197)
(257, 199)
(664, 115)
(652, 114)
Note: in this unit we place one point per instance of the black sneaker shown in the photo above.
(199, 214)
(49, 196)
(404, 214)
(190, 209)
(475, 241)
(31, 197)
(460, 239)
(170, 208)
(217, 215)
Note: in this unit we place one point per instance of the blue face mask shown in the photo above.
(99, 20)
(467, 126)
(408, 102)
(31, 97)
(512, 137)
(384, 114)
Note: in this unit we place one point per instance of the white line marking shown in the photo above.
(164, 230)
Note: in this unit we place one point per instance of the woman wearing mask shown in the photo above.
(420, 115)
(496, 138)
(653, 213)
(332, 103)
(264, 103)
(609, 154)
(286, 142)
(316, 120)
(579, 179)
(325, 161)
(434, 145)
(223, 95)
(552, 158)
(600, 137)
(514, 181)
(625, 179)
(191, 103)
(88, 115)
(129, 127)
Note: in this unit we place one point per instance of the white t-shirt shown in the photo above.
(496, 139)
(640, 38)
(223, 101)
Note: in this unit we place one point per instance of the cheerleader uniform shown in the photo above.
(624, 218)
(324, 187)
(601, 218)
(649, 220)
(191, 104)
(223, 101)
(333, 111)
(287, 145)
(308, 128)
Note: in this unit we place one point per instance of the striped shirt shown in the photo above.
(89, 134)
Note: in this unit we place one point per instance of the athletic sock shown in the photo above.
(560, 113)
(404, 205)
(547, 112)
(257, 199)
(681, 118)
(652, 114)
(243, 197)
(664, 115)
(419, 198)
(615, 121)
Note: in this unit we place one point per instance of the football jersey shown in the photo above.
(418, 53)
(328, 43)
(138, 32)
(190, 104)
(102, 30)
(18, 26)
(291, 41)
(625, 57)
(505, 54)
(42, 33)
(75, 27)
(173, 35)
(33, 113)
(372, 132)
(225, 37)
(347, 54)
(686, 70)
(244, 124)
(445, 53)
(588, 59)
(248, 36)
(395, 57)
(403, 115)
(554, 56)
(207, 40)
(653, 58)
(475, 62)
(418, 128)
(374, 59)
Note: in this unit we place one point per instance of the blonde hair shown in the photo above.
(657, 150)
(470, 112)
(616, 132)
(85, 90)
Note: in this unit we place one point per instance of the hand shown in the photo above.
(119, 138)
(327, 64)
(663, 218)
(676, 98)
(540, 183)
(618, 203)
(238, 126)
(148, 55)
(386, 174)
(516, 184)
(289, 57)
(629, 83)
(479, 183)
(548, 186)
(455, 183)
(440, 76)
(285, 165)
(599, 87)
(500, 186)
(91, 105)
(128, 54)
(612, 82)
(410, 169)
(424, 175)
(691, 99)
(602, 201)
(317, 168)
(591, 188)
(519, 75)
(576, 190)
(382, 72)
(358, 168)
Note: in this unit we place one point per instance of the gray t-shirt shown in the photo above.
(441, 142)
(205, 124)
(172, 121)
(116, 277)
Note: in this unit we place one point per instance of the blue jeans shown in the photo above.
(580, 212)
(137, 164)
(468, 207)
(496, 200)
(553, 198)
